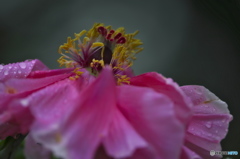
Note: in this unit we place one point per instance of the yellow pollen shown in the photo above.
(10, 90)
(119, 47)
(78, 74)
(122, 79)
(95, 63)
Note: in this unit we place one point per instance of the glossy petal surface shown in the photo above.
(209, 124)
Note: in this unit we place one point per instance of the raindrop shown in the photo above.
(1, 67)
(19, 71)
(208, 124)
(10, 67)
(6, 73)
(22, 65)
(24, 102)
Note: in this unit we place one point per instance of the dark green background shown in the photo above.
(191, 41)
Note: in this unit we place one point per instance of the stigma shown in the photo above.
(100, 46)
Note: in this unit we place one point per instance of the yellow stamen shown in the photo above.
(122, 79)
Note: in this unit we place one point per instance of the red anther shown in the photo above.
(118, 36)
(101, 30)
(122, 40)
(105, 32)
(111, 40)
(109, 36)
(111, 31)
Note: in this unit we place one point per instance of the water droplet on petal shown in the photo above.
(6, 72)
(1, 67)
(10, 67)
(208, 124)
(216, 131)
(22, 65)
(19, 71)
(24, 102)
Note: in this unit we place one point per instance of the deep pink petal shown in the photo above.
(152, 115)
(209, 124)
(20, 69)
(34, 150)
(47, 73)
(122, 140)
(168, 87)
(78, 134)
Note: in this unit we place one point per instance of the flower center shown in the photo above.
(101, 46)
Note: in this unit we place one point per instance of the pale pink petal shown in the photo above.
(79, 134)
(168, 87)
(122, 140)
(209, 124)
(14, 109)
(20, 69)
(33, 150)
(152, 115)
(189, 154)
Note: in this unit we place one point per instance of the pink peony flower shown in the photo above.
(75, 121)
(94, 114)
(97, 109)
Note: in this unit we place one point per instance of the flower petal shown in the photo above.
(152, 115)
(122, 140)
(14, 109)
(77, 127)
(209, 124)
(35, 150)
(168, 87)
(20, 69)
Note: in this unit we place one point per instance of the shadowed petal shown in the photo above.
(35, 150)
(122, 140)
(152, 115)
(168, 87)
(209, 124)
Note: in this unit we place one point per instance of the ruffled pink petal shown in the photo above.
(209, 124)
(168, 87)
(14, 109)
(20, 69)
(122, 140)
(152, 115)
(78, 133)
(33, 150)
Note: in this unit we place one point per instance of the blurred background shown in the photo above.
(192, 41)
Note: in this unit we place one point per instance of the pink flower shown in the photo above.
(97, 109)
(17, 81)
(75, 120)
(93, 113)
